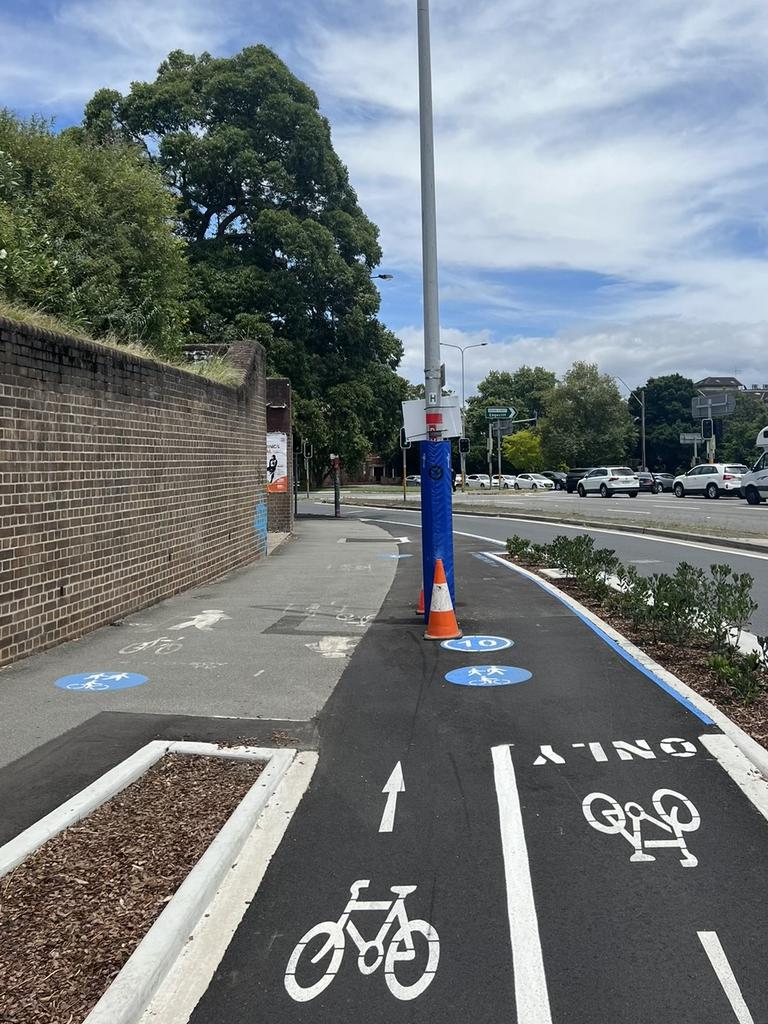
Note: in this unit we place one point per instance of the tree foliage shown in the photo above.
(740, 430)
(523, 451)
(279, 248)
(86, 234)
(587, 421)
(525, 389)
(667, 415)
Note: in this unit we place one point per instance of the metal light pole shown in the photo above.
(641, 402)
(462, 456)
(436, 490)
(428, 220)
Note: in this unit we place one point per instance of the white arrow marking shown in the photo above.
(393, 786)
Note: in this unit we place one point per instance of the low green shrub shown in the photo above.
(744, 673)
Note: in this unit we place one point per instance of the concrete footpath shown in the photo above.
(255, 654)
(554, 839)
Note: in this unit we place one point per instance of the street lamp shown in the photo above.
(462, 455)
(382, 277)
(641, 402)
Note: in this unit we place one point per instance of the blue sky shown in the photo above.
(602, 169)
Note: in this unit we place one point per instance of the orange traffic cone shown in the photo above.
(442, 623)
(420, 609)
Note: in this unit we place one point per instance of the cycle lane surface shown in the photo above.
(495, 781)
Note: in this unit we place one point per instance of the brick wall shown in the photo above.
(280, 506)
(122, 482)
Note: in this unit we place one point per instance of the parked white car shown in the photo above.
(533, 482)
(478, 480)
(710, 480)
(507, 480)
(754, 484)
(413, 479)
(609, 480)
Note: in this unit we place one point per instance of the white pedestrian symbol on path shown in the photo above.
(676, 815)
(401, 948)
(334, 646)
(204, 620)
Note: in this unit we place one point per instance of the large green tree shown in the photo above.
(587, 421)
(739, 431)
(525, 389)
(279, 247)
(87, 234)
(667, 415)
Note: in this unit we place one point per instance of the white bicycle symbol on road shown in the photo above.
(610, 817)
(401, 946)
(163, 645)
(88, 684)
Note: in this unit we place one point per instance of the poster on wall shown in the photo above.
(277, 463)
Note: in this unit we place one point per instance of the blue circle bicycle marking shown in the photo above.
(98, 682)
(488, 675)
(479, 643)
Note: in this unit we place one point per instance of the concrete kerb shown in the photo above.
(755, 753)
(595, 524)
(131, 991)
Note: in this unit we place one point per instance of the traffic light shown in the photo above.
(404, 442)
(464, 446)
(707, 429)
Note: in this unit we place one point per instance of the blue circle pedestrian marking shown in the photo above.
(488, 675)
(98, 682)
(485, 644)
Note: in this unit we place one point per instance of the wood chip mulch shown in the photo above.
(74, 911)
(690, 664)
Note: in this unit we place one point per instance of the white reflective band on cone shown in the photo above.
(441, 598)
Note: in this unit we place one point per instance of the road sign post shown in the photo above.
(405, 444)
(307, 451)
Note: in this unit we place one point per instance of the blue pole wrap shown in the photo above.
(436, 515)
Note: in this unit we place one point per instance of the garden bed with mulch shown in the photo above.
(74, 911)
(690, 664)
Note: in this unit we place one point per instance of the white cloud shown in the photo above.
(636, 351)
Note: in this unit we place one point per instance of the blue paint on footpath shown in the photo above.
(484, 644)
(488, 675)
(98, 682)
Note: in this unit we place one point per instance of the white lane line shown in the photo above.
(585, 529)
(725, 976)
(747, 777)
(531, 996)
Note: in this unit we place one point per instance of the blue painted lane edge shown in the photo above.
(617, 647)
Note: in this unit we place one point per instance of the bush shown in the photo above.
(743, 673)
(517, 546)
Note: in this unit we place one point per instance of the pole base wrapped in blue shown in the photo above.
(436, 515)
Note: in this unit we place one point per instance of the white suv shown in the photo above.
(710, 480)
(609, 480)
(754, 485)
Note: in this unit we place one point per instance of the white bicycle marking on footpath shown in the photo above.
(162, 645)
(401, 948)
(98, 681)
(611, 818)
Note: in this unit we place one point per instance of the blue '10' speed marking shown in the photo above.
(486, 644)
(488, 675)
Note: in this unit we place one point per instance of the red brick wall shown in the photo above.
(121, 482)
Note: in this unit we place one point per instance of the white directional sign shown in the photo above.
(691, 439)
(393, 787)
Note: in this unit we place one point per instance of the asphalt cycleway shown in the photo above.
(562, 849)
(647, 553)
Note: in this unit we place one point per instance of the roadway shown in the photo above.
(648, 553)
(729, 516)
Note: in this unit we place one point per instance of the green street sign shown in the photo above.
(500, 412)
